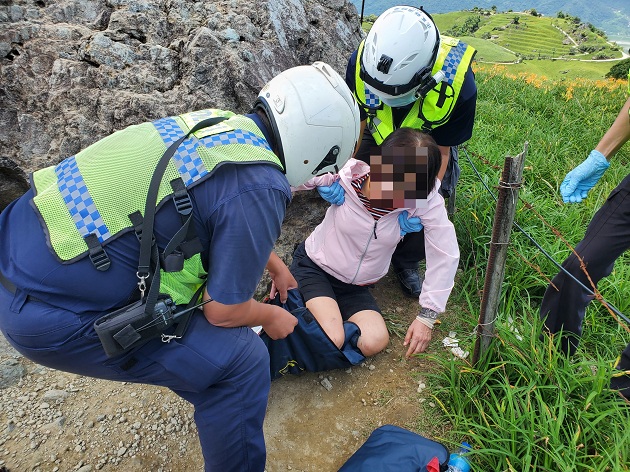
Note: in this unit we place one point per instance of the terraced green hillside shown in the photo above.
(527, 36)
(487, 51)
(550, 46)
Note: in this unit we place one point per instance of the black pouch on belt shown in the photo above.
(130, 326)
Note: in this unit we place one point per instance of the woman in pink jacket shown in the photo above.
(352, 247)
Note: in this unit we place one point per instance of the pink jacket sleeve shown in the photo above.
(319, 181)
(442, 254)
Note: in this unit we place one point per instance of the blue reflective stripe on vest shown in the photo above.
(238, 136)
(452, 60)
(371, 100)
(188, 163)
(78, 200)
(169, 130)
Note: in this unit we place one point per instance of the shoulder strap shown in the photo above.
(144, 262)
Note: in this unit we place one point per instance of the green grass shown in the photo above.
(525, 406)
(396, 325)
(487, 51)
(562, 69)
(537, 41)
(447, 21)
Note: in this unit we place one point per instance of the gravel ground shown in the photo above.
(55, 421)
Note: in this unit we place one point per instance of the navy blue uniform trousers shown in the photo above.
(223, 372)
(606, 238)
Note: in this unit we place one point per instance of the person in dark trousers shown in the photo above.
(405, 74)
(607, 237)
(70, 247)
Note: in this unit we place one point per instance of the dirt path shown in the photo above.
(53, 421)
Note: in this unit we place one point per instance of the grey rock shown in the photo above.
(79, 70)
(230, 35)
(74, 71)
(10, 373)
(55, 395)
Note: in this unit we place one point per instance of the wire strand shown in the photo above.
(597, 295)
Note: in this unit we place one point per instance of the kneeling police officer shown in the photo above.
(72, 253)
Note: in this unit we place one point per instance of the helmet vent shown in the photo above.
(373, 44)
(406, 62)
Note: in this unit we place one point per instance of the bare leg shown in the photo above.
(374, 336)
(326, 312)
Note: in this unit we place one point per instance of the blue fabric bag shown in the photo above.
(393, 449)
(308, 348)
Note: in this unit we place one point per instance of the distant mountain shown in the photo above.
(611, 16)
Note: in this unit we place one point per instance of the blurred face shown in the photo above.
(399, 177)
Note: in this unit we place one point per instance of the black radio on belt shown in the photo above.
(129, 326)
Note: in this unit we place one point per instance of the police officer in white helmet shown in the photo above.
(406, 74)
(70, 251)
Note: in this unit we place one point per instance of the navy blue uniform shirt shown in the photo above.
(238, 212)
(457, 130)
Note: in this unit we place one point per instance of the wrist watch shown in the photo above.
(428, 313)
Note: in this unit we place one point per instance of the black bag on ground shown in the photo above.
(393, 449)
(308, 348)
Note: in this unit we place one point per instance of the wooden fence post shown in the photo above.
(503, 219)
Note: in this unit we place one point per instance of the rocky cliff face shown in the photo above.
(74, 71)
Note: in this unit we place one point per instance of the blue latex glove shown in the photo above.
(583, 178)
(409, 225)
(334, 194)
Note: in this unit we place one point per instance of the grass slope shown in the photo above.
(525, 406)
(488, 51)
(562, 69)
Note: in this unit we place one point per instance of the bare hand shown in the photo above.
(417, 338)
(281, 278)
(280, 323)
(282, 284)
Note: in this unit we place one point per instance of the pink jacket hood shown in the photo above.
(349, 245)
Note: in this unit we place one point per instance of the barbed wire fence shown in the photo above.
(489, 306)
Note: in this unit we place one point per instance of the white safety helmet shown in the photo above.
(399, 54)
(315, 120)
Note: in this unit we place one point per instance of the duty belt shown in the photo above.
(10, 286)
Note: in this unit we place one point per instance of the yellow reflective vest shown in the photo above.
(454, 59)
(86, 199)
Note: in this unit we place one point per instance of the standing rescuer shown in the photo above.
(405, 74)
(607, 237)
(71, 246)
